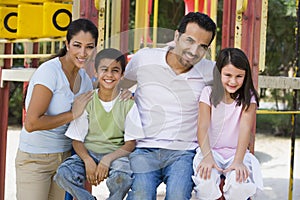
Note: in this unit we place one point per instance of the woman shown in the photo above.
(57, 93)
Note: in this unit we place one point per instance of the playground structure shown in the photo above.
(244, 25)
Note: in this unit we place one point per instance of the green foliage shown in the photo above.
(280, 56)
(279, 124)
(171, 12)
(16, 90)
(15, 103)
(280, 48)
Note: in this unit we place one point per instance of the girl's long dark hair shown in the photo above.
(244, 94)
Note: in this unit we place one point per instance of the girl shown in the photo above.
(226, 116)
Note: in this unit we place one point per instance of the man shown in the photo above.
(169, 84)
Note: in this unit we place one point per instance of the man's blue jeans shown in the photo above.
(71, 177)
(152, 166)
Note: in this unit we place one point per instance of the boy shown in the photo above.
(103, 136)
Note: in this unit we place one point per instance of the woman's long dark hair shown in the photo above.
(244, 94)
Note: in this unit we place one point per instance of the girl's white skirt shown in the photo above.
(233, 190)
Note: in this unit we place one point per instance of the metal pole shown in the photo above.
(155, 23)
(291, 180)
(293, 119)
(196, 5)
(146, 22)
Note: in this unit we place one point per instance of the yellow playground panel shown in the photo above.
(34, 18)
(8, 22)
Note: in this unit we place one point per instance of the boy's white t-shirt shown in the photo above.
(78, 128)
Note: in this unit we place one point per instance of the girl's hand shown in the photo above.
(102, 171)
(241, 171)
(125, 95)
(205, 167)
(80, 102)
(90, 169)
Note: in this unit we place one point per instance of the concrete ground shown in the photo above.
(272, 152)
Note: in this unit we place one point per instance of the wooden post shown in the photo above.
(250, 36)
(4, 99)
(125, 26)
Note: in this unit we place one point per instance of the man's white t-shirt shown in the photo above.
(168, 103)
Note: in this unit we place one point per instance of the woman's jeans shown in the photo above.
(152, 166)
(71, 177)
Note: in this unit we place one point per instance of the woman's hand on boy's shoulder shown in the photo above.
(80, 103)
(126, 95)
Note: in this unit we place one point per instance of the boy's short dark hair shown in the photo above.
(111, 53)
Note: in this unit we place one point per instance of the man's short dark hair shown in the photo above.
(203, 21)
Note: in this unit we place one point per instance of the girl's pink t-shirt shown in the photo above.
(224, 128)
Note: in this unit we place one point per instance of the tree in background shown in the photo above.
(280, 60)
(280, 48)
(16, 90)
